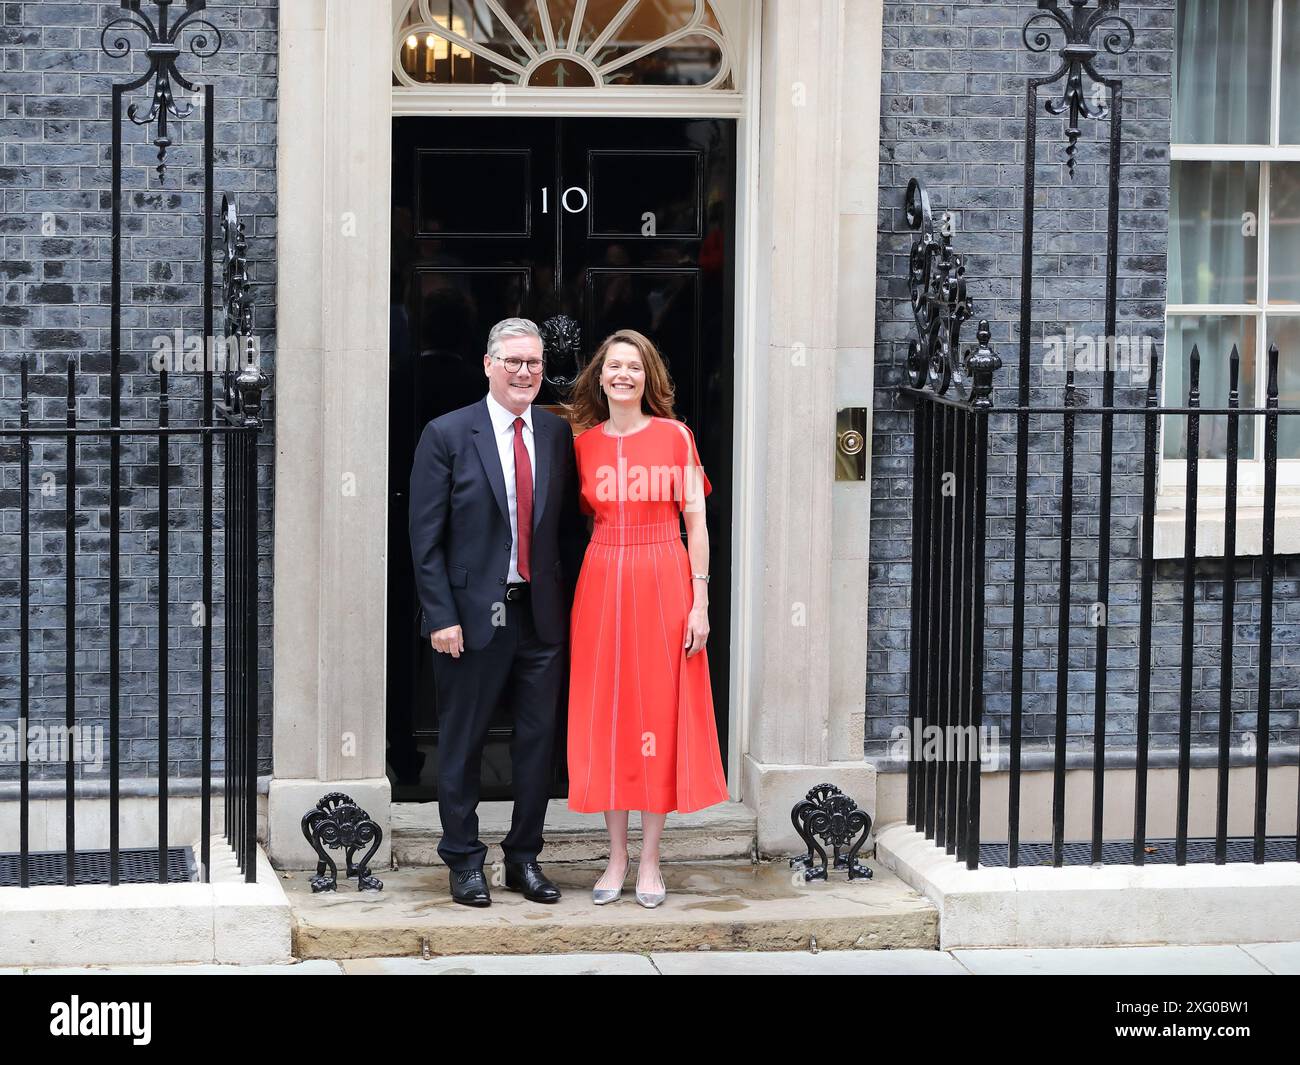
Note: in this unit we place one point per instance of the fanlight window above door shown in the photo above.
(566, 43)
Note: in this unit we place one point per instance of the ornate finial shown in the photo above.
(242, 376)
(981, 365)
(251, 383)
(162, 47)
(1077, 53)
(937, 279)
(236, 297)
(1153, 378)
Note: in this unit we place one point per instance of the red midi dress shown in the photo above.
(641, 730)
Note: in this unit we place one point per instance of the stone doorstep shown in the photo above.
(725, 831)
(710, 906)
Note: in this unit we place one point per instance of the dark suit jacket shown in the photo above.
(460, 525)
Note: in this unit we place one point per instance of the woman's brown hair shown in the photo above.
(588, 405)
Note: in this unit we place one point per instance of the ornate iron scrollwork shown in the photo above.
(827, 813)
(1077, 53)
(242, 379)
(562, 347)
(937, 284)
(163, 48)
(336, 821)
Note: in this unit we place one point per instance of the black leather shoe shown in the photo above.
(529, 878)
(469, 888)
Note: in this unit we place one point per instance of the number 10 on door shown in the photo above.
(573, 194)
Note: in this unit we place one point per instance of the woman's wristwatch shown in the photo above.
(700, 577)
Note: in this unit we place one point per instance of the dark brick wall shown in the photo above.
(953, 114)
(55, 180)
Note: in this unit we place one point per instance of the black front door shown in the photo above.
(614, 223)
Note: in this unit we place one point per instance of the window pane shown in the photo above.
(528, 17)
(691, 60)
(1214, 335)
(562, 72)
(1222, 80)
(644, 23)
(1284, 233)
(1213, 225)
(427, 56)
(1290, 119)
(1285, 333)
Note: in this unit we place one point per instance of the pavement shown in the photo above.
(1253, 959)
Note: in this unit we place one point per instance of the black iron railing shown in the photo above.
(955, 425)
(241, 409)
(949, 585)
(164, 36)
(241, 663)
(949, 510)
(238, 429)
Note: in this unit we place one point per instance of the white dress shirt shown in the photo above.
(503, 424)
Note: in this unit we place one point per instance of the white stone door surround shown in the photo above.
(807, 105)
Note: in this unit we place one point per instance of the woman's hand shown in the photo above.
(697, 630)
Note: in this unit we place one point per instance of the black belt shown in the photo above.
(516, 592)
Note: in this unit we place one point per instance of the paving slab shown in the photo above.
(797, 963)
(301, 968)
(718, 905)
(1281, 959)
(506, 965)
(1113, 961)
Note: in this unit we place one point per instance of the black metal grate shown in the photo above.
(136, 865)
(1158, 852)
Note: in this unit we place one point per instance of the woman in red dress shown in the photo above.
(641, 729)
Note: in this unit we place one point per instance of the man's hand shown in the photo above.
(448, 641)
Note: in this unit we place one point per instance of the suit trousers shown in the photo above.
(469, 688)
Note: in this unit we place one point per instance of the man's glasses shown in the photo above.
(514, 365)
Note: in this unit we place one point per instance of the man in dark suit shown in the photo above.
(495, 538)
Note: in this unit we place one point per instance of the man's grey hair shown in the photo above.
(510, 327)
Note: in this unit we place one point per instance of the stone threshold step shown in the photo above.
(710, 906)
(725, 831)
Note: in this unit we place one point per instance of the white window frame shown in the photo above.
(1212, 473)
(411, 97)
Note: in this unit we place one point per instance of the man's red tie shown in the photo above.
(523, 499)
